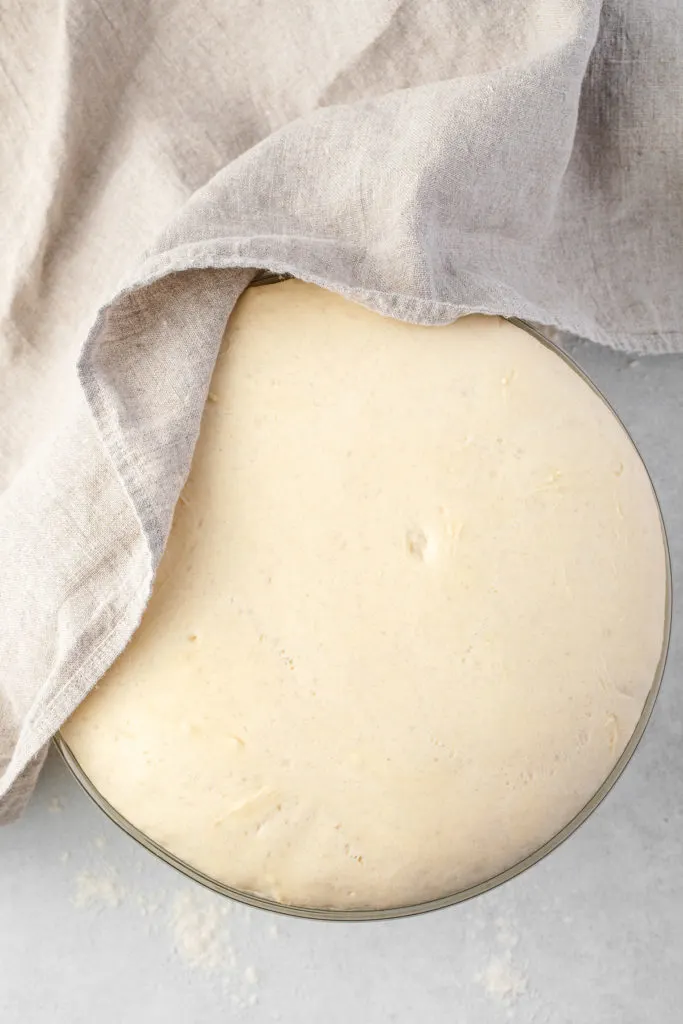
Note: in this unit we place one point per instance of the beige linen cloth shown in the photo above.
(427, 158)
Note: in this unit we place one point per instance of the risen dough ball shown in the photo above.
(410, 610)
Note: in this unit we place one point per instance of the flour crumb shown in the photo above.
(197, 936)
(200, 936)
(273, 931)
(99, 842)
(64, 856)
(56, 805)
(98, 891)
(502, 980)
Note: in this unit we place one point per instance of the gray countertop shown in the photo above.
(93, 928)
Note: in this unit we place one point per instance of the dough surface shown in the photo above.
(411, 607)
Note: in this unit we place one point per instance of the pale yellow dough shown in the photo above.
(410, 610)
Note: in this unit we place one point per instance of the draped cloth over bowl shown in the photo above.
(424, 159)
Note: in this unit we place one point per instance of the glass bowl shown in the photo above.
(450, 898)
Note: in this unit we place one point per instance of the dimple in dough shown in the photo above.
(411, 607)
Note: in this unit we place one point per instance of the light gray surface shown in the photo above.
(92, 928)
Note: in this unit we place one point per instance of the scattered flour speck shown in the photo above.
(98, 889)
(99, 842)
(64, 856)
(197, 936)
(56, 805)
(503, 980)
(201, 939)
(197, 922)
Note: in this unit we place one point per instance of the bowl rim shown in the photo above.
(450, 899)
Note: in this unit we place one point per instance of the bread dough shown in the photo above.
(411, 607)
